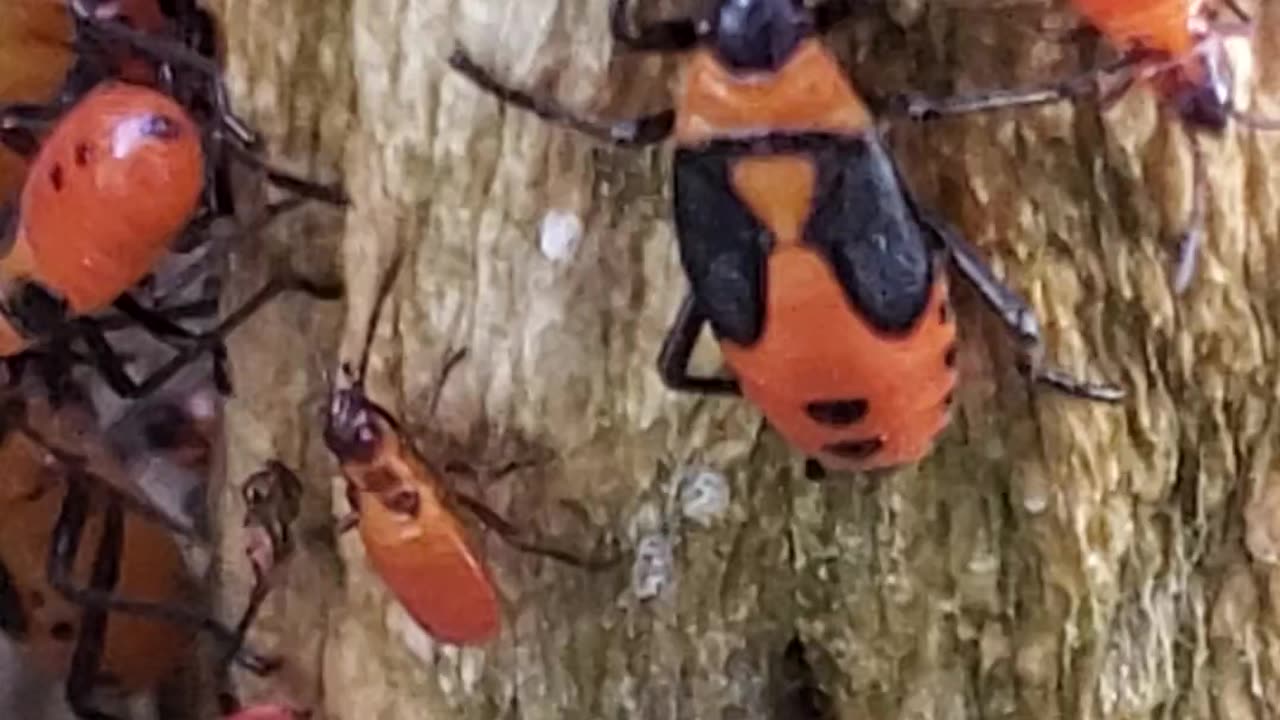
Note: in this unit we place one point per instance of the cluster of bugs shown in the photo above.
(808, 257)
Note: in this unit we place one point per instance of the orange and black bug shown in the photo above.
(822, 278)
(1175, 46)
(406, 514)
(92, 582)
(117, 179)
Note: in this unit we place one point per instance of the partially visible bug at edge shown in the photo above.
(1175, 47)
(92, 584)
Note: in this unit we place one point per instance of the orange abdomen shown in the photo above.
(816, 348)
(428, 565)
(1163, 25)
(117, 179)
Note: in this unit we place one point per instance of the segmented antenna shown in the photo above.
(384, 289)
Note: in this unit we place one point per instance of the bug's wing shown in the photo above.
(430, 567)
(863, 222)
(722, 246)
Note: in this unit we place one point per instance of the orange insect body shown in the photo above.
(116, 180)
(413, 540)
(137, 652)
(807, 255)
(815, 344)
(1163, 25)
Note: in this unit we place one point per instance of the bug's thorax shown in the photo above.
(808, 93)
(381, 465)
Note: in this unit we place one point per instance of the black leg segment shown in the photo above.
(663, 36)
(673, 361)
(1017, 316)
(645, 130)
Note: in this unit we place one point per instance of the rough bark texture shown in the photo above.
(1052, 559)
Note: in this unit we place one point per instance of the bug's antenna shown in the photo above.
(384, 289)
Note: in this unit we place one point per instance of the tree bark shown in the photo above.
(1052, 559)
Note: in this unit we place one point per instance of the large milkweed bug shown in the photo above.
(406, 514)
(92, 583)
(822, 278)
(1177, 48)
(117, 180)
(114, 183)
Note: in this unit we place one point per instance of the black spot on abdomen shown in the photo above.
(837, 412)
(855, 449)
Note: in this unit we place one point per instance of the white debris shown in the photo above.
(654, 567)
(559, 234)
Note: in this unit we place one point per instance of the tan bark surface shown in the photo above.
(1051, 560)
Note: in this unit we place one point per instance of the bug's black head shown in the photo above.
(351, 429)
(758, 35)
(1204, 100)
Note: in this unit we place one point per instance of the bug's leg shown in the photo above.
(1018, 317)
(662, 36)
(91, 634)
(85, 660)
(67, 533)
(211, 341)
(109, 363)
(195, 309)
(677, 348)
(645, 130)
(13, 619)
(333, 194)
(157, 323)
(1236, 9)
(514, 537)
(1192, 236)
(451, 360)
(1085, 84)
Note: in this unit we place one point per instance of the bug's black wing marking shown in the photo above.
(865, 226)
(722, 245)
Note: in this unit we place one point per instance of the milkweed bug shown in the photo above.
(1177, 48)
(406, 514)
(117, 179)
(821, 277)
(92, 583)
